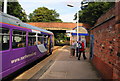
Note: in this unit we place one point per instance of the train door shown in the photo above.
(47, 42)
(4, 51)
(49, 45)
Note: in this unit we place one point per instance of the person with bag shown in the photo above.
(81, 50)
(77, 49)
(72, 48)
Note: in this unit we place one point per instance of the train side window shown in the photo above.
(18, 39)
(4, 38)
(31, 39)
(40, 39)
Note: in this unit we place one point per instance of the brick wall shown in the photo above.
(98, 63)
(107, 15)
(57, 25)
(107, 44)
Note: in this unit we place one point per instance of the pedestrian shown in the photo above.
(72, 49)
(77, 49)
(81, 50)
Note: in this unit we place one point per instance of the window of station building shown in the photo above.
(18, 39)
(31, 39)
(40, 39)
(4, 38)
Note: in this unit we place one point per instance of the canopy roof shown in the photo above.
(81, 31)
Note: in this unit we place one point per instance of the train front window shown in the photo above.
(45, 39)
(31, 39)
(4, 38)
(18, 39)
(40, 39)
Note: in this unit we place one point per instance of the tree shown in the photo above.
(43, 14)
(93, 11)
(15, 9)
(0, 5)
(60, 38)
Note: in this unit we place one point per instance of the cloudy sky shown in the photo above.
(66, 13)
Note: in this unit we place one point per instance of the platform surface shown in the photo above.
(65, 67)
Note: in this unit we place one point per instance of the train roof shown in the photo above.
(15, 21)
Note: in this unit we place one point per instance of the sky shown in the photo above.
(66, 13)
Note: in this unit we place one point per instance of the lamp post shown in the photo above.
(77, 49)
(5, 6)
(77, 23)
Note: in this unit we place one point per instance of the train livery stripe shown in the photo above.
(25, 28)
(14, 25)
(36, 31)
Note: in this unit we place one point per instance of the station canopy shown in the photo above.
(81, 31)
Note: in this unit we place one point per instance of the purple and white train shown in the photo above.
(21, 44)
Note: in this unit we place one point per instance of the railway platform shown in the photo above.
(59, 65)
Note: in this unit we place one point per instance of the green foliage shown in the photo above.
(15, 9)
(60, 38)
(93, 11)
(43, 14)
(0, 5)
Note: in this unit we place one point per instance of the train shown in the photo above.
(21, 44)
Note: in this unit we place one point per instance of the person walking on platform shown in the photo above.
(77, 49)
(72, 49)
(81, 50)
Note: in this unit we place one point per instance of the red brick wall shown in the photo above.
(107, 15)
(117, 10)
(51, 25)
(107, 45)
(103, 70)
